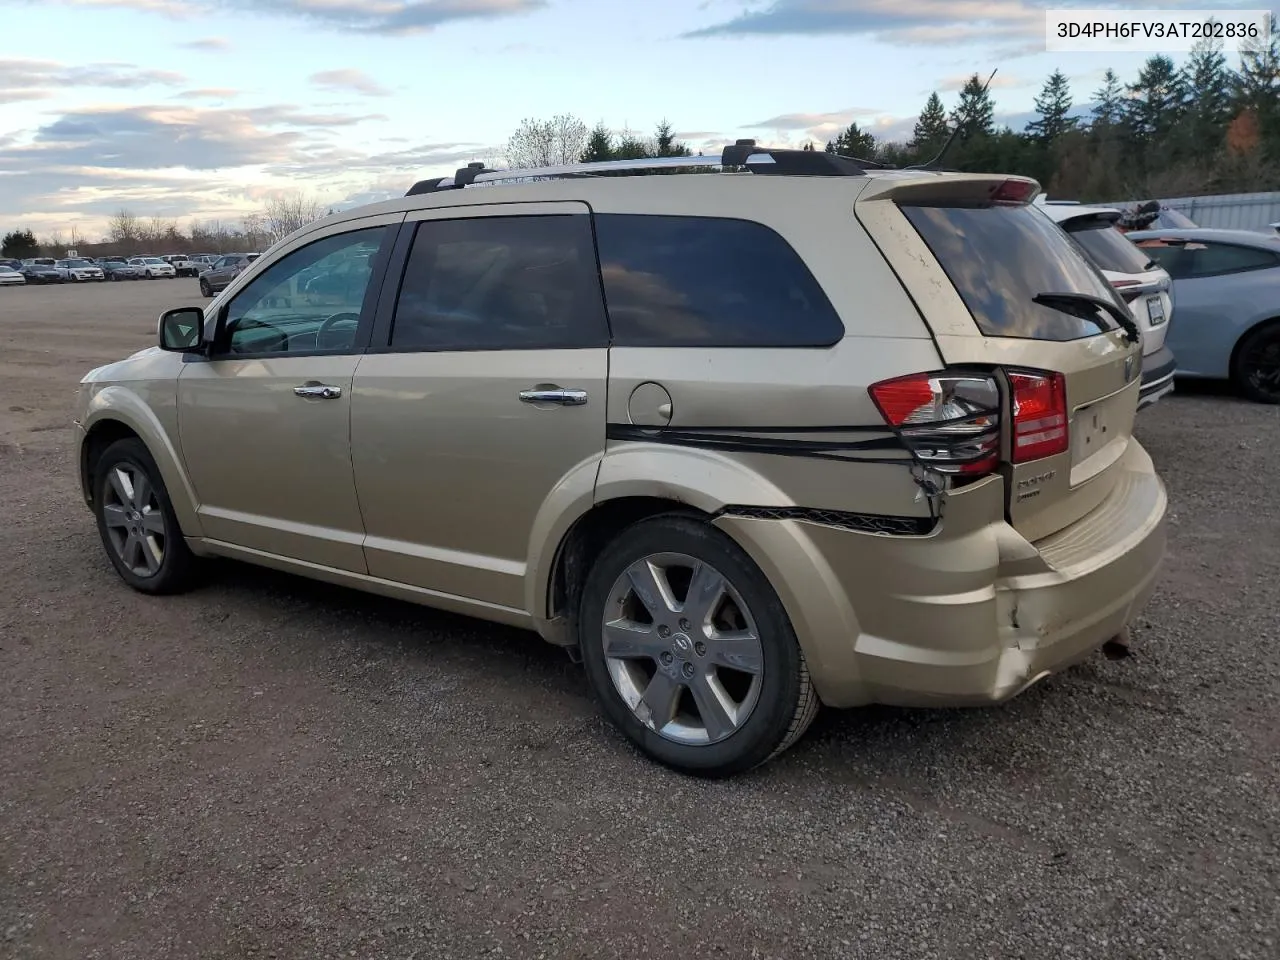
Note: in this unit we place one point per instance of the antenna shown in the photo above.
(964, 122)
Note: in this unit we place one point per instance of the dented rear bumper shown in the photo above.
(972, 613)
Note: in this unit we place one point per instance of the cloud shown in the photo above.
(180, 160)
(392, 17)
(208, 93)
(38, 77)
(157, 137)
(908, 22)
(348, 79)
(208, 44)
(808, 121)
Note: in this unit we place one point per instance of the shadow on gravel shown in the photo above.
(422, 633)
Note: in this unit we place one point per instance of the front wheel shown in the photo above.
(689, 651)
(1256, 370)
(136, 521)
(205, 289)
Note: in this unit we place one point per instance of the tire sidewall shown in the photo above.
(176, 556)
(1263, 334)
(769, 722)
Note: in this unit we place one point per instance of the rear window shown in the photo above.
(708, 282)
(1109, 248)
(1000, 258)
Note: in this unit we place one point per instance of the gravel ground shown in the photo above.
(272, 768)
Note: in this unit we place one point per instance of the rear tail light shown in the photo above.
(951, 421)
(1040, 422)
(1129, 290)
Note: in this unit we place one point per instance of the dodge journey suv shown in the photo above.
(795, 430)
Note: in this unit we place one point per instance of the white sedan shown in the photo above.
(153, 267)
(76, 270)
(10, 276)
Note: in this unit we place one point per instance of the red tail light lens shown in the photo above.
(1040, 420)
(1014, 191)
(1123, 287)
(950, 421)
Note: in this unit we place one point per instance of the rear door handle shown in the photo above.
(318, 391)
(557, 395)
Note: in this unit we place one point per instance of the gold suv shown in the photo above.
(791, 430)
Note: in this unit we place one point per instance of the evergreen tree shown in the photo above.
(931, 129)
(632, 147)
(1158, 101)
(853, 142)
(1109, 100)
(599, 145)
(1208, 84)
(666, 142)
(975, 109)
(19, 245)
(1054, 107)
(1258, 88)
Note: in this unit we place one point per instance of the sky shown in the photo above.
(204, 109)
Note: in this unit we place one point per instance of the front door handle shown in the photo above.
(557, 395)
(318, 391)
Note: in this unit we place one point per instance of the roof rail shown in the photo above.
(743, 154)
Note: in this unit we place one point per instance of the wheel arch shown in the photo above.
(642, 480)
(1244, 335)
(117, 413)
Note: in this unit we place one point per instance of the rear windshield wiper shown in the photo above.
(1118, 313)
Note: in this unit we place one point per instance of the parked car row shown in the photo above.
(1223, 286)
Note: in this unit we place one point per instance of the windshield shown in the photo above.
(79, 263)
(1000, 258)
(1110, 249)
(155, 260)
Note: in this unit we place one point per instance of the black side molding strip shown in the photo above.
(740, 441)
(859, 522)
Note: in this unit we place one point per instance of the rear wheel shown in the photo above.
(1256, 370)
(136, 521)
(689, 651)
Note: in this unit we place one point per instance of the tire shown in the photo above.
(205, 289)
(159, 562)
(1255, 370)
(774, 700)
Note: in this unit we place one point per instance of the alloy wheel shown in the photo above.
(134, 519)
(1260, 366)
(682, 649)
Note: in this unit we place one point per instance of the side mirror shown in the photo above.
(182, 330)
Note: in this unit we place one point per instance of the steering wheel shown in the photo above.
(328, 326)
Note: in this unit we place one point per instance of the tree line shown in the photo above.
(1205, 128)
(131, 235)
(1202, 129)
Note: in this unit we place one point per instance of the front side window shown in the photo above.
(309, 301)
(709, 282)
(501, 283)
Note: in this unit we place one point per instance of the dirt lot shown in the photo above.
(271, 768)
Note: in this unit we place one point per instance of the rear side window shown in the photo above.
(1213, 259)
(501, 283)
(1109, 248)
(999, 258)
(708, 282)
